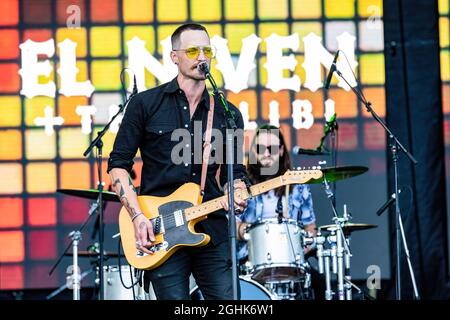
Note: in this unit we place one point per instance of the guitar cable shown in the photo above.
(138, 276)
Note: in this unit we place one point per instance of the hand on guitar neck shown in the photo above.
(239, 204)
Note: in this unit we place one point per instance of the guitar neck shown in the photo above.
(214, 205)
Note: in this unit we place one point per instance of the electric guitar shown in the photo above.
(175, 216)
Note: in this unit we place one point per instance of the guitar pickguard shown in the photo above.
(175, 226)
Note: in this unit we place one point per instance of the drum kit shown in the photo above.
(277, 267)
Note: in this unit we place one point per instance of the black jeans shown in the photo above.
(210, 266)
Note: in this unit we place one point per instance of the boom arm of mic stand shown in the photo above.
(219, 95)
(100, 134)
(368, 106)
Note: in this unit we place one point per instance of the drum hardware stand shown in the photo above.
(339, 245)
(66, 285)
(76, 237)
(328, 292)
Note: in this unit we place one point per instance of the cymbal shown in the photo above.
(94, 254)
(349, 227)
(90, 194)
(333, 174)
(310, 152)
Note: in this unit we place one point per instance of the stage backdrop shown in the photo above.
(444, 41)
(60, 63)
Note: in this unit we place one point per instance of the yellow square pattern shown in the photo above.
(41, 177)
(339, 9)
(106, 74)
(145, 33)
(138, 10)
(10, 145)
(372, 68)
(444, 32)
(235, 33)
(105, 42)
(10, 109)
(239, 9)
(76, 35)
(202, 10)
(445, 65)
(172, 10)
(273, 9)
(34, 107)
(39, 146)
(306, 8)
(11, 174)
(367, 8)
(72, 143)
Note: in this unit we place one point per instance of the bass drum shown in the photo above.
(250, 290)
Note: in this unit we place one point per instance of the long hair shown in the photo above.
(254, 167)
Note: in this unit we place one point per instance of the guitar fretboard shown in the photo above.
(214, 205)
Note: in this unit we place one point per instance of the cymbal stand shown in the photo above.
(67, 285)
(347, 256)
(76, 237)
(328, 292)
(92, 209)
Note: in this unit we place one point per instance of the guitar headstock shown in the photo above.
(302, 175)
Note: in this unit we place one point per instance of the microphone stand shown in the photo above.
(394, 146)
(330, 129)
(231, 127)
(98, 143)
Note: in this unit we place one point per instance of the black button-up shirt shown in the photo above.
(149, 121)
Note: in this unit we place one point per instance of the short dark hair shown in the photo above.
(188, 26)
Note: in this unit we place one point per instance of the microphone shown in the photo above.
(388, 203)
(332, 70)
(330, 123)
(203, 67)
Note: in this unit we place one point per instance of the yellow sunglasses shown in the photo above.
(194, 51)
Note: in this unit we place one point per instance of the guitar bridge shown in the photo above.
(157, 247)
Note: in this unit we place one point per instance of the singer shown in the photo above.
(148, 123)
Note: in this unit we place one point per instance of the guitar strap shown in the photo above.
(207, 144)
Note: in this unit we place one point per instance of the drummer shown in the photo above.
(269, 158)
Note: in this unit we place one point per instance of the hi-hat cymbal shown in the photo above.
(339, 173)
(82, 253)
(90, 194)
(309, 152)
(349, 227)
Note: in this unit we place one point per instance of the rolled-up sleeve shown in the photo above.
(129, 136)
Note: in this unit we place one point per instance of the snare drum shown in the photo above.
(275, 250)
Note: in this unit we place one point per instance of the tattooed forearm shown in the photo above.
(131, 210)
(131, 185)
(126, 192)
(118, 187)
